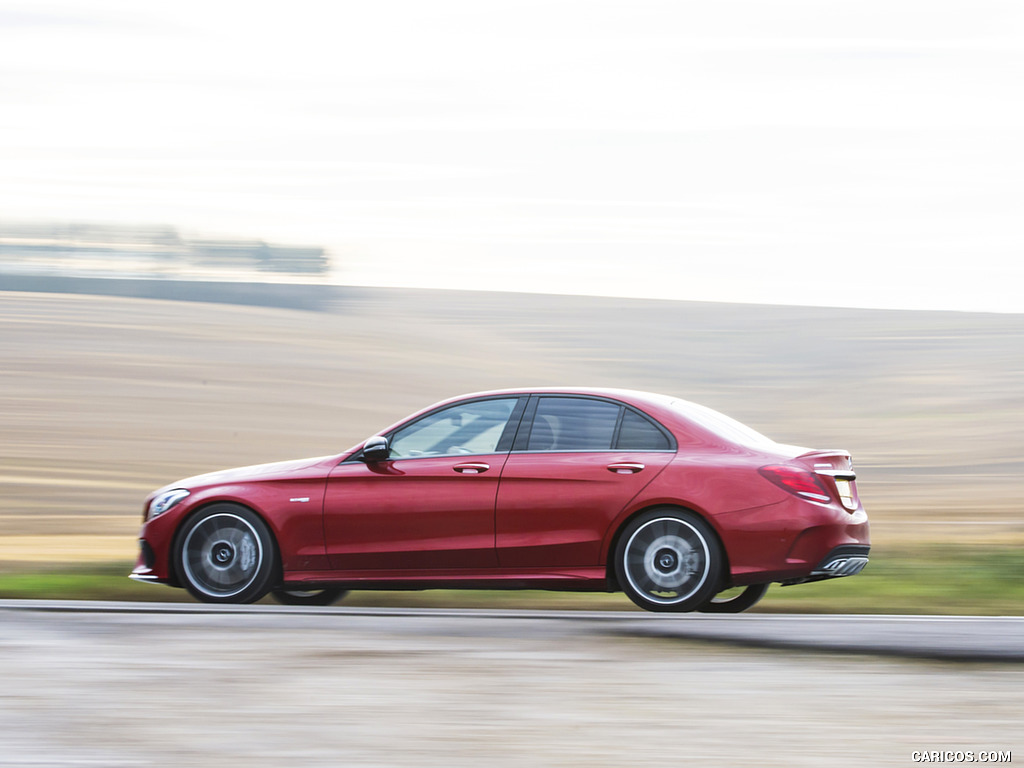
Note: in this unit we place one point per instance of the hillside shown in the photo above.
(103, 398)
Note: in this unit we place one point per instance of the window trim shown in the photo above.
(522, 439)
(673, 446)
(505, 442)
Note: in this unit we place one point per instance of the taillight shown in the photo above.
(799, 482)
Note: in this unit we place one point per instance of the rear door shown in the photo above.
(576, 464)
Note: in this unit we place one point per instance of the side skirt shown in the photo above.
(570, 580)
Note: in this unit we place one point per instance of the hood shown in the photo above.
(254, 472)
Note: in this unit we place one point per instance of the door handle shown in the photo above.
(625, 468)
(472, 468)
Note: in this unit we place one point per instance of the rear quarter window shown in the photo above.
(638, 433)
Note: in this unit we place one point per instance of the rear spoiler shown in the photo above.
(833, 463)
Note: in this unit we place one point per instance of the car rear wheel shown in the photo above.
(327, 596)
(668, 560)
(225, 555)
(735, 600)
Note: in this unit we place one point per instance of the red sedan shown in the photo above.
(568, 489)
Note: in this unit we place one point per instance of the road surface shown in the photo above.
(112, 684)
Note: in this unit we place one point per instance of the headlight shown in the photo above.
(165, 501)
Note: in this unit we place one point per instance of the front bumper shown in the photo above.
(145, 566)
(147, 578)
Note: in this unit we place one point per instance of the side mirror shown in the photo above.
(376, 449)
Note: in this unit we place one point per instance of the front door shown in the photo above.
(430, 506)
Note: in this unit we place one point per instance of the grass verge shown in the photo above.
(940, 579)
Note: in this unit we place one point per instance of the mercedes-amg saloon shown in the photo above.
(562, 489)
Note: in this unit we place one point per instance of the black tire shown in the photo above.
(225, 554)
(735, 603)
(668, 559)
(326, 596)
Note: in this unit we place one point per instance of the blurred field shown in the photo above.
(104, 398)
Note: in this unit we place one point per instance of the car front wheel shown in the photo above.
(225, 554)
(668, 560)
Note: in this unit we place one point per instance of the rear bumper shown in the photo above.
(845, 560)
(792, 541)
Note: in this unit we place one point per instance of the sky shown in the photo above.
(864, 154)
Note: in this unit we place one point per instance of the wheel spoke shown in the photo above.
(646, 584)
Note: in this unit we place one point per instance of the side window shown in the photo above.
(466, 428)
(638, 434)
(573, 424)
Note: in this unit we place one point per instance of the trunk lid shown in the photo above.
(835, 468)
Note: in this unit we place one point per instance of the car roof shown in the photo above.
(667, 409)
(657, 405)
(687, 420)
(682, 417)
(629, 395)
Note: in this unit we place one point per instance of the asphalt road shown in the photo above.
(189, 685)
(952, 638)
